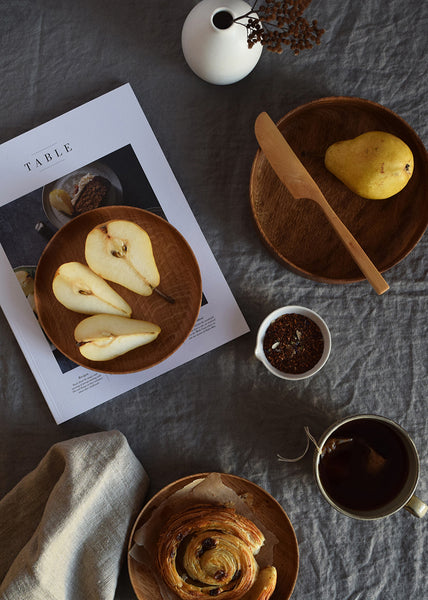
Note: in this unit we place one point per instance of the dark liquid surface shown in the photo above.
(364, 465)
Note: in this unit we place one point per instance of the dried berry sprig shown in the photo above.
(280, 24)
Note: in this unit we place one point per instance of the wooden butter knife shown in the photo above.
(300, 184)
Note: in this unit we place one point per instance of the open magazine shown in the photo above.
(111, 138)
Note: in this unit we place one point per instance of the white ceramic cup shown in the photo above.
(405, 498)
(300, 310)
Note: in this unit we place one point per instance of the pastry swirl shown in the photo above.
(209, 551)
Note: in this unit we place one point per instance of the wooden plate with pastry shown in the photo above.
(298, 233)
(209, 535)
(171, 306)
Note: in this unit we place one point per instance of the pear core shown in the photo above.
(375, 165)
(121, 251)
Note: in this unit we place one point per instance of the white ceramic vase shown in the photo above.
(215, 47)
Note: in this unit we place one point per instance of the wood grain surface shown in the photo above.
(298, 233)
(179, 277)
(267, 510)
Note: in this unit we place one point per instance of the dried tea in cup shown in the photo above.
(293, 343)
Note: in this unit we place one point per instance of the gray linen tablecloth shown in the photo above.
(223, 411)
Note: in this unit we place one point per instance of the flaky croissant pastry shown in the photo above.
(209, 551)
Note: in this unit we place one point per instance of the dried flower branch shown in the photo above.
(280, 24)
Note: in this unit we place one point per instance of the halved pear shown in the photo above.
(103, 337)
(121, 251)
(81, 290)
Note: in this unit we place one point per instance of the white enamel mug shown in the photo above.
(405, 498)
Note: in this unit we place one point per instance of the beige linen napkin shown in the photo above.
(64, 527)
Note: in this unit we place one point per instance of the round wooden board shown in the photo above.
(297, 232)
(267, 510)
(179, 274)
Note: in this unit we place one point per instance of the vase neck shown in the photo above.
(222, 19)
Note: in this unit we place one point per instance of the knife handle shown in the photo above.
(366, 266)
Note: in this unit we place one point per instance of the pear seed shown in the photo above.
(120, 250)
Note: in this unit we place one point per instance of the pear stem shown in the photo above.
(168, 298)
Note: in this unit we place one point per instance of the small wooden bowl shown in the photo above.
(180, 278)
(298, 233)
(267, 510)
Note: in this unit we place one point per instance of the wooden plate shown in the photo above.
(267, 510)
(297, 232)
(179, 274)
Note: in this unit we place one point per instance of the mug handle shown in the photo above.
(416, 507)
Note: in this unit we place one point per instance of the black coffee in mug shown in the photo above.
(364, 465)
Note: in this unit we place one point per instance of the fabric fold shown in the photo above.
(64, 527)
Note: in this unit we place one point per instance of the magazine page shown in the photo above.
(111, 138)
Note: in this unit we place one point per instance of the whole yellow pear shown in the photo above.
(374, 165)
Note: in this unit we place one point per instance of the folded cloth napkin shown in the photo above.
(64, 527)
